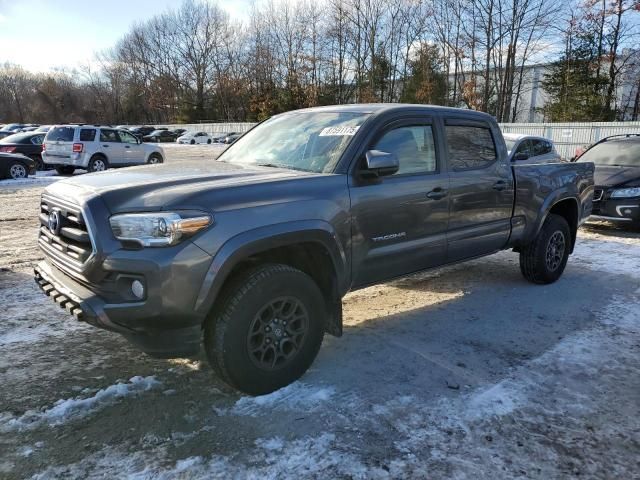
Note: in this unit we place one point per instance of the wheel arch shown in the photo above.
(315, 251)
(568, 208)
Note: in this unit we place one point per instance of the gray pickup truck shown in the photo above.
(252, 254)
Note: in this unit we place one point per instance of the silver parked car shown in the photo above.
(531, 149)
(95, 148)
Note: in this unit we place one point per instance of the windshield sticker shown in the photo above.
(339, 131)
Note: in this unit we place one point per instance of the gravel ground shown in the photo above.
(462, 372)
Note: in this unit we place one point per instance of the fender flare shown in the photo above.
(549, 203)
(262, 239)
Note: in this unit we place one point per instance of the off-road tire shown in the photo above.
(65, 170)
(227, 335)
(94, 164)
(534, 258)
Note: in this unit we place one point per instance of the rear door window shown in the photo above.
(61, 134)
(87, 135)
(109, 136)
(470, 147)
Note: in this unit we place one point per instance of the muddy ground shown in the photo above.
(463, 372)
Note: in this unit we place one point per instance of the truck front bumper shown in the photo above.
(145, 324)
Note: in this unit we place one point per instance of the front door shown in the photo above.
(112, 146)
(400, 221)
(133, 151)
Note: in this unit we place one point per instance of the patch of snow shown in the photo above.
(74, 408)
(297, 396)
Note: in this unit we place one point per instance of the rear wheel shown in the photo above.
(267, 330)
(192, 142)
(209, 142)
(544, 259)
(65, 170)
(98, 164)
(17, 171)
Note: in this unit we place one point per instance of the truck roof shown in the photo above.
(376, 108)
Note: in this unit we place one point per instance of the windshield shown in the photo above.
(308, 141)
(624, 153)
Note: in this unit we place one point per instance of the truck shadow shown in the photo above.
(476, 323)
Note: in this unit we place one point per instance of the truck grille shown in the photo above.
(64, 235)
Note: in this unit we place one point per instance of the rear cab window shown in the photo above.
(61, 134)
(470, 147)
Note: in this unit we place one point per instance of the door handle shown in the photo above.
(127, 146)
(500, 185)
(106, 146)
(437, 193)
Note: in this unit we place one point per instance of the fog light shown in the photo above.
(137, 288)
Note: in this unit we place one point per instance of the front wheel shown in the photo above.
(544, 259)
(154, 158)
(267, 330)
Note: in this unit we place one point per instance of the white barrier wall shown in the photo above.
(568, 137)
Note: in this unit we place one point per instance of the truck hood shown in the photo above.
(611, 176)
(155, 187)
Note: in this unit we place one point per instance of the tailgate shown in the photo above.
(59, 142)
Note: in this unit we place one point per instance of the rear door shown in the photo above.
(59, 144)
(481, 189)
(133, 151)
(112, 147)
(400, 221)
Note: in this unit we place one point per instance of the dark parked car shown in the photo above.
(179, 131)
(232, 137)
(142, 131)
(160, 136)
(617, 178)
(28, 144)
(253, 254)
(14, 127)
(219, 136)
(16, 166)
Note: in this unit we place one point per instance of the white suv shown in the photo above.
(95, 148)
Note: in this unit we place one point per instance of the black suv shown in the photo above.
(252, 254)
(617, 178)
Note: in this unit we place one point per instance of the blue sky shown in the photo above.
(43, 34)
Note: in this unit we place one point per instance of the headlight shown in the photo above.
(159, 229)
(626, 192)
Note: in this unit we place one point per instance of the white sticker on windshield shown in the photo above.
(339, 131)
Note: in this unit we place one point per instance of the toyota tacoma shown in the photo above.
(251, 255)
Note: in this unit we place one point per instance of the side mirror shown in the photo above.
(380, 164)
(520, 156)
